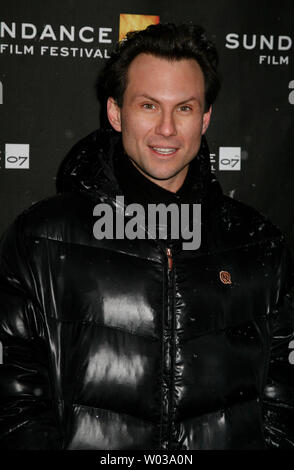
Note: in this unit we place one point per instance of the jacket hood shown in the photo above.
(89, 167)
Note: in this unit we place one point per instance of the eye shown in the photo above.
(148, 106)
(185, 108)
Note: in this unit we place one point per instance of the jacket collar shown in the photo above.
(89, 168)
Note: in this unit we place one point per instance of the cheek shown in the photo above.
(193, 133)
(189, 125)
(135, 128)
(131, 136)
(192, 138)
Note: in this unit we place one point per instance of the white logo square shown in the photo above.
(17, 156)
(230, 158)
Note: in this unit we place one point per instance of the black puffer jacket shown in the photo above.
(112, 345)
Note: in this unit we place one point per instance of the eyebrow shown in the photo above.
(191, 98)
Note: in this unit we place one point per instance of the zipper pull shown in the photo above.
(169, 258)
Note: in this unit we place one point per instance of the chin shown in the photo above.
(162, 177)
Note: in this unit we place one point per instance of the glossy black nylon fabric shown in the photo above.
(105, 348)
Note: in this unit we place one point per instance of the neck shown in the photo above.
(172, 184)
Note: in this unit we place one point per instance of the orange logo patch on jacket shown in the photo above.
(225, 277)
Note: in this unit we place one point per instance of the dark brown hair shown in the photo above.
(169, 41)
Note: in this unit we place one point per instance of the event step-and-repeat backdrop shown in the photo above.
(51, 54)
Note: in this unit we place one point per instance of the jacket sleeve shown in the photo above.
(278, 403)
(27, 418)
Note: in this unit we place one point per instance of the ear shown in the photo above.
(114, 114)
(206, 120)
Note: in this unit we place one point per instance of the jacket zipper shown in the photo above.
(169, 259)
(171, 322)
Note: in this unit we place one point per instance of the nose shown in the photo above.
(166, 125)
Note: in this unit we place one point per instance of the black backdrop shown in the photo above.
(48, 99)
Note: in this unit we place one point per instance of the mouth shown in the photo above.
(164, 151)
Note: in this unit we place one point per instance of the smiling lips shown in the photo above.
(164, 150)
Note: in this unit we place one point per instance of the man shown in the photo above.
(119, 343)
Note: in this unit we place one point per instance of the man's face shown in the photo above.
(162, 117)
